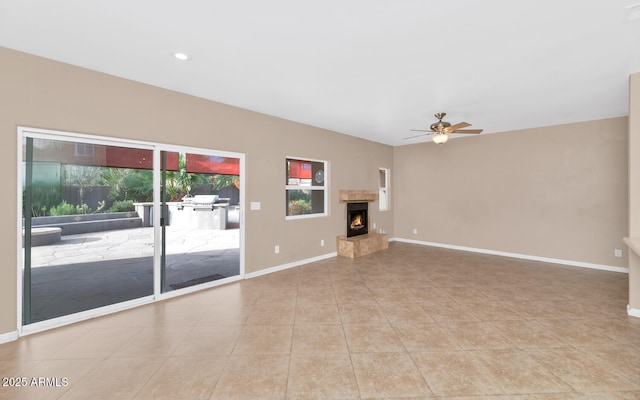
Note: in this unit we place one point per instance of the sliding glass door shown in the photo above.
(106, 223)
(201, 218)
(84, 245)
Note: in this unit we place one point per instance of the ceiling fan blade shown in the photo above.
(411, 137)
(458, 126)
(468, 131)
(421, 130)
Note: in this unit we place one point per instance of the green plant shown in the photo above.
(179, 183)
(101, 206)
(299, 207)
(65, 208)
(173, 191)
(128, 184)
(83, 209)
(43, 197)
(220, 181)
(114, 177)
(122, 206)
(139, 185)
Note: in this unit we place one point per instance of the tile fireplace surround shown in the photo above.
(361, 245)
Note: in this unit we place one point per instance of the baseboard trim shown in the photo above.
(633, 312)
(517, 255)
(282, 267)
(9, 337)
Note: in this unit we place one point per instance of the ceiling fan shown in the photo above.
(442, 129)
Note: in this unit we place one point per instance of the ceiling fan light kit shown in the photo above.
(441, 129)
(440, 138)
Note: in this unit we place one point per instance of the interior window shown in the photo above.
(306, 183)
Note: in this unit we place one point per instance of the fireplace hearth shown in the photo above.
(357, 219)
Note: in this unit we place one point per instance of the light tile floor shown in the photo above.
(409, 322)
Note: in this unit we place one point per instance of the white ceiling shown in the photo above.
(367, 68)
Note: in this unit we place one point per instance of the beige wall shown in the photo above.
(557, 192)
(41, 93)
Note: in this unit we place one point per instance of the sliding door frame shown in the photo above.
(49, 134)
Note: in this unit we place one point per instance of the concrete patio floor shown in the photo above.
(91, 270)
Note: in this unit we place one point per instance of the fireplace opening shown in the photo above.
(357, 219)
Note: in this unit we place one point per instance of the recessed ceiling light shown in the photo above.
(181, 56)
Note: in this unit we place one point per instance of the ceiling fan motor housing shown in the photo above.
(440, 126)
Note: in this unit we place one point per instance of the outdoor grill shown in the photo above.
(199, 202)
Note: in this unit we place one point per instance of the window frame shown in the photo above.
(324, 187)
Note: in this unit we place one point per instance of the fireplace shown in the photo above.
(357, 219)
(359, 241)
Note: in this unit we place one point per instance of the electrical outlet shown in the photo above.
(617, 252)
(374, 225)
(277, 249)
(415, 231)
(322, 243)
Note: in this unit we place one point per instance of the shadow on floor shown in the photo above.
(67, 289)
